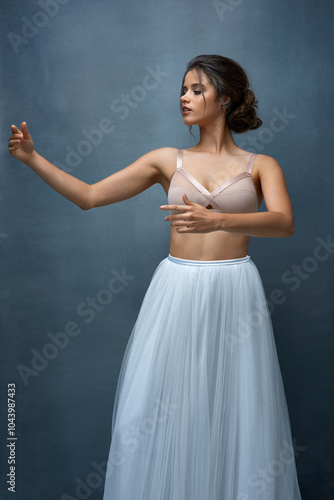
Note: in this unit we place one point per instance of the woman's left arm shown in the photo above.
(276, 222)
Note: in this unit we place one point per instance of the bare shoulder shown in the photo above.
(266, 165)
(162, 157)
(264, 160)
(158, 164)
(164, 161)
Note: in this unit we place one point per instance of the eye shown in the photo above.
(197, 92)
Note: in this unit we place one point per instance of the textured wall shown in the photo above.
(98, 84)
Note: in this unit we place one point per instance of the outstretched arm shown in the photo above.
(277, 221)
(124, 184)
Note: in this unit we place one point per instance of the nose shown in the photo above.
(184, 97)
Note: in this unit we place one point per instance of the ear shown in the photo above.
(225, 102)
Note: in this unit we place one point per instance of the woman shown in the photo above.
(200, 410)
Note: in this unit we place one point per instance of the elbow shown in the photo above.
(85, 205)
(290, 228)
(285, 227)
(87, 201)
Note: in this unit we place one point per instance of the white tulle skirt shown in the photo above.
(200, 411)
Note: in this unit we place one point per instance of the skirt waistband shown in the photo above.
(228, 262)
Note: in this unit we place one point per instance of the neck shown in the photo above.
(216, 138)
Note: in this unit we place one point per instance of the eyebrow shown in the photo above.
(194, 85)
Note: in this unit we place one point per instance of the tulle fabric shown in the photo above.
(200, 411)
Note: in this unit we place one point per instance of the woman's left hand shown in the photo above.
(192, 217)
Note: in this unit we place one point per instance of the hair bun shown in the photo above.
(243, 117)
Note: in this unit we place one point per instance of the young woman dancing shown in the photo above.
(200, 411)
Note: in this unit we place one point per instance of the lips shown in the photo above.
(185, 109)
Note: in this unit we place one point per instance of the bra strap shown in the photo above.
(179, 159)
(250, 162)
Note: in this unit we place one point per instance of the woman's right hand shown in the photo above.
(20, 143)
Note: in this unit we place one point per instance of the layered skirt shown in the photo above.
(200, 411)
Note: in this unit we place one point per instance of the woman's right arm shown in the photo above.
(122, 185)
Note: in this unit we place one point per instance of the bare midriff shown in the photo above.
(218, 245)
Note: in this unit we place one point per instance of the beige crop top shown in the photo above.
(237, 195)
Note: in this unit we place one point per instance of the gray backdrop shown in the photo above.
(98, 84)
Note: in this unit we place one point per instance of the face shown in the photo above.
(199, 101)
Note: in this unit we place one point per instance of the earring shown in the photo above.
(225, 104)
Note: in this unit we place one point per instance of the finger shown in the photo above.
(15, 130)
(184, 230)
(176, 217)
(12, 142)
(180, 223)
(175, 208)
(24, 129)
(182, 217)
(187, 201)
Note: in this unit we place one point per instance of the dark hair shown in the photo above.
(229, 79)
